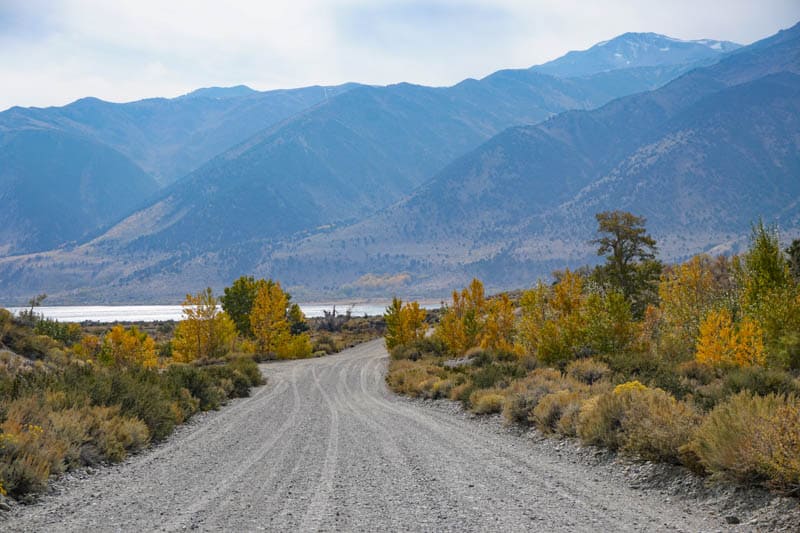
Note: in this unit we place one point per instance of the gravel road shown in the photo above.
(324, 446)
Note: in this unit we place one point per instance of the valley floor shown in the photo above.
(325, 446)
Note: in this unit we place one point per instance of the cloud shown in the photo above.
(57, 51)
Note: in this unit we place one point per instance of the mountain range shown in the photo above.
(404, 187)
(701, 158)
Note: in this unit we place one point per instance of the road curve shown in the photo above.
(324, 446)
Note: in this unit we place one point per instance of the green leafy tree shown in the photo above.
(237, 301)
(766, 268)
(297, 320)
(631, 267)
(771, 296)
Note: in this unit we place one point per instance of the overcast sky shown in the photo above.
(55, 51)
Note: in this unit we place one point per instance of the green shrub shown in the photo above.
(462, 392)
(24, 466)
(326, 343)
(760, 381)
(496, 375)
(231, 381)
(421, 348)
(248, 368)
(199, 382)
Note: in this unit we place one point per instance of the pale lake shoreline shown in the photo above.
(156, 313)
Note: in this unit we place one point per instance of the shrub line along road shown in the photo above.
(325, 446)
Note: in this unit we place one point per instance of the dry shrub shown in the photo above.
(568, 423)
(550, 411)
(658, 426)
(420, 380)
(588, 371)
(526, 393)
(461, 392)
(441, 388)
(753, 439)
(486, 401)
(642, 421)
(116, 435)
(38, 440)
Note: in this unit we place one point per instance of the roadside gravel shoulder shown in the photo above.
(739, 507)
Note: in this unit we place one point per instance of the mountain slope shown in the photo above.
(168, 138)
(355, 154)
(56, 187)
(635, 50)
(701, 157)
(118, 145)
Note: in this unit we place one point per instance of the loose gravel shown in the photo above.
(324, 446)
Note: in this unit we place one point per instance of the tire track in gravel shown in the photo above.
(221, 493)
(324, 446)
(315, 511)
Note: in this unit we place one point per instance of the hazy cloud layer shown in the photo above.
(55, 51)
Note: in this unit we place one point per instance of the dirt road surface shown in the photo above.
(324, 446)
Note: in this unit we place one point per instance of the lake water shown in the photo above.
(151, 313)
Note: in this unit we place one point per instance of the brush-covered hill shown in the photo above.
(56, 187)
(361, 151)
(70, 172)
(701, 158)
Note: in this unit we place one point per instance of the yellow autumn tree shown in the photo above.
(268, 320)
(552, 326)
(499, 325)
(129, 346)
(463, 322)
(88, 348)
(205, 330)
(687, 292)
(721, 342)
(404, 323)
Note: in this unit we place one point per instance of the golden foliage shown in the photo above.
(268, 320)
(128, 346)
(205, 331)
(722, 343)
(498, 331)
(560, 322)
(404, 323)
(462, 323)
(295, 347)
(687, 292)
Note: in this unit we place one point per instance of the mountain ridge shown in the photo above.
(150, 255)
